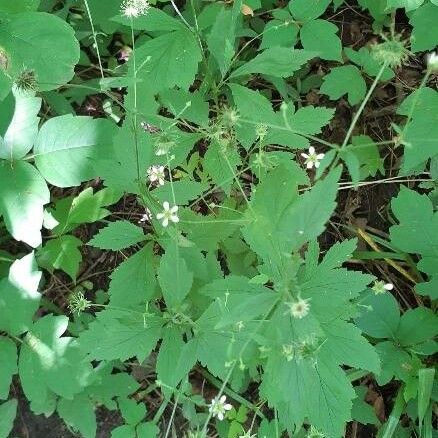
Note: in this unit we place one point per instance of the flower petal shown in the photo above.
(165, 222)
(320, 156)
(309, 164)
(166, 205)
(311, 150)
(304, 155)
(160, 216)
(174, 209)
(317, 163)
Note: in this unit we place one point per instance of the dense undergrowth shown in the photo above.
(219, 218)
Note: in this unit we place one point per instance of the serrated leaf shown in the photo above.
(118, 235)
(409, 5)
(344, 80)
(280, 62)
(121, 334)
(364, 59)
(168, 60)
(184, 190)
(425, 32)
(132, 411)
(43, 43)
(139, 272)
(8, 410)
(174, 277)
(23, 128)
(61, 253)
(22, 198)
(8, 365)
(67, 148)
(417, 326)
(154, 20)
(19, 292)
(79, 414)
(320, 36)
(279, 33)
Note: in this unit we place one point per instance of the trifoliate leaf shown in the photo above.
(280, 62)
(179, 65)
(344, 80)
(61, 253)
(54, 57)
(139, 272)
(51, 363)
(23, 128)
(21, 201)
(174, 277)
(118, 235)
(121, 334)
(79, 414)
(19, 292)
(67, 148)
(8, 365)
(425, 31)
(320, 36)
(8, 411)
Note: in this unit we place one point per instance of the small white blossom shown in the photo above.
(432, 62)
(156, 174)
(219, 408)
(168, 214)
(146, 217)
(300, 308)
(134, 8)
(380, 287)
(312, 158)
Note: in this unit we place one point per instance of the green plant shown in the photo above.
(232, 180)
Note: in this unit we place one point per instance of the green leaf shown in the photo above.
(79, 414)
(87, 207)
(51, 363)
(409, 5)
(421, 133)
(61, 253)
(132, 411)
(185, 190)
(19, 292)
(425, 385)
(125, 431)
(221, 164)
(139, 272)
(22, 200)
(8, 411)
(417, 326)
(154, 20)
(320, 36)
(221, 39)
(168, 60)
(19, 6)
(279, 33)
(344, 80)
(121, 334)
(381, 317)
(43, 43)
(305, 10)
(118, 235)
(174, 277)
(425, 32)
(362, 411)
(8, 365)
(175, 359)
(365, 60)
(147, 430)
(23, 128)
(280, 62)
(68, 146)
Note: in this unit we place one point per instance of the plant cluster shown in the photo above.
(214, 122)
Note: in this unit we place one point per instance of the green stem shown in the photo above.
(94, 38)
(394, 418)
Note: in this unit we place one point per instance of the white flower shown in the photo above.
(146, 217)
(219, 408)
(312, 159)
(169, 213)
(380, 287)
(134, 8)
(156, 173)
(299, 309)
(432, 62)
